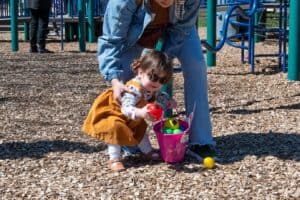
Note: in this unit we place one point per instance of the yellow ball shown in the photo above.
(209, 162)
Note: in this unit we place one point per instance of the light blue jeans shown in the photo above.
(195, 85)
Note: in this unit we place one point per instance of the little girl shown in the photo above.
(123, 123)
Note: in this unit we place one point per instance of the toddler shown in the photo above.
(123, 123)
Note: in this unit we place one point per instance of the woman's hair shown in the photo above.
(154, 61)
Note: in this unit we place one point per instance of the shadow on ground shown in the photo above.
(231, 148)
(16, 150)
(235, 109)
(235, 147)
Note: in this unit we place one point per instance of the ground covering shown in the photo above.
(44, 155)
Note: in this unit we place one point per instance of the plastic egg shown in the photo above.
(172, 123)
(167, 131)
(176, 131)
(182, 128)
(155, 110)
(209, 162)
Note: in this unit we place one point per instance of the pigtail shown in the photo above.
(135, 65)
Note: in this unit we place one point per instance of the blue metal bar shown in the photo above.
(285, 17)
(243, 50)
(224, 28)
(61, 26)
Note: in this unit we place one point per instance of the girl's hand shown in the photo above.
(144, 113)
(166, 101)
(119, 88)
(171, 104)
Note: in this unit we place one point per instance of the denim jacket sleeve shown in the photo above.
(113, 42)
(180, 28)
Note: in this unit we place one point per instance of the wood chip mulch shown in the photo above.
(44, 155)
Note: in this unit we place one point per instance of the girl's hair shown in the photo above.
(154, 61)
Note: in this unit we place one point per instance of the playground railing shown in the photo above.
(64, 7)
(5, 9)
(248, 19)
(63, 11)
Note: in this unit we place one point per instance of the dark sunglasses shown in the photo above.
(155, 78)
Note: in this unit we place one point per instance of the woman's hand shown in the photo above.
(119, 88)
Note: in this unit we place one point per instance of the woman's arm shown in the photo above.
(113, 42)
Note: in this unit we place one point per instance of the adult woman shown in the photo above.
(131, 26)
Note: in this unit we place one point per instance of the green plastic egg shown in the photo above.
(178, 130)
(168, 131)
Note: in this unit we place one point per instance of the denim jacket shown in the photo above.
(124, 23)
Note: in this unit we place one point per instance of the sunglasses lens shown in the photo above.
(155, 78)
(163, 80)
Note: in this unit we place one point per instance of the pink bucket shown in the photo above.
(172, 146)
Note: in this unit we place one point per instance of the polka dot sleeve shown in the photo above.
(129, 101)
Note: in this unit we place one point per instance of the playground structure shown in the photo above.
(250, 17)
(251, 14)
(75, 17)
(78, 17)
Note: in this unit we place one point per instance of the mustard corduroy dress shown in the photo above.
(107, 123)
